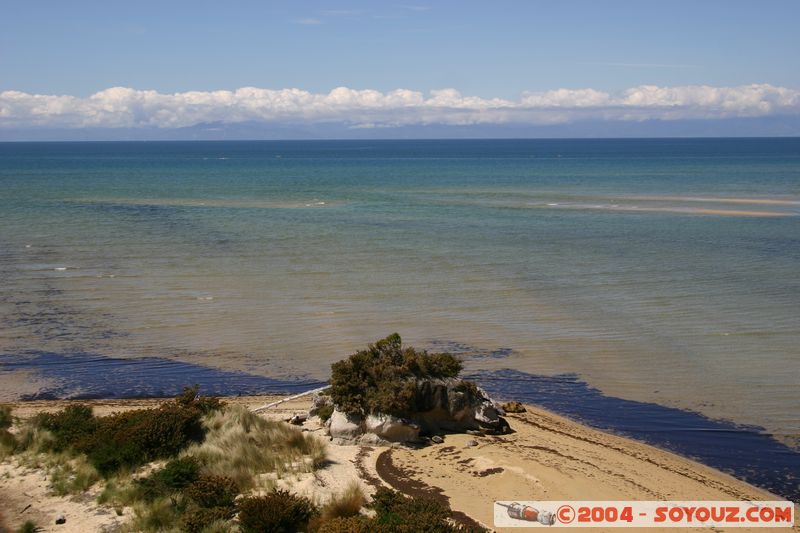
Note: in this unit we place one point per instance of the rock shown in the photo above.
(471, 444)
(486, 414)
(61, 519)
(513, 407)
(476, 432)
(345, 427)
(444, 405)
(391, 428)
(449, 405)
(436, 439)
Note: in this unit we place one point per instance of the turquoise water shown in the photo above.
(656, 270)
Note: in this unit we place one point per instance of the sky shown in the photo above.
(349, 67)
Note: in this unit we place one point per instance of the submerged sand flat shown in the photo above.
(548, 457)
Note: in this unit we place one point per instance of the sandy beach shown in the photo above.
(547, 457)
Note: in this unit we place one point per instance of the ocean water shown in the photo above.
(656, 271)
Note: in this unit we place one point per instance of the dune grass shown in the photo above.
(243, 446)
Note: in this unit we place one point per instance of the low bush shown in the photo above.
(134, 438)
(128, 439)
(205, 404)
(278, 512)
(8, 444)
(385, 500)
(6, 420)
(350, 524)
(176, 475)
(397, 513)
(199, 519)
(383, 377)
(28, 527)
(213, 491)
(69, 427)
(325, 412)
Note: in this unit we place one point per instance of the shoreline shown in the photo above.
(547, 457)
(745, 452)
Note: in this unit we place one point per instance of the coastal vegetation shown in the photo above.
(392, 512)
(186, 465)
(382, 378)
(194, 464)
(7, 441)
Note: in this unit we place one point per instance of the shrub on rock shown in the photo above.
(382, 378)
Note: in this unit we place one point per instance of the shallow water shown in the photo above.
(657, 271)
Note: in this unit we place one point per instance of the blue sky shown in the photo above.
(487, 50)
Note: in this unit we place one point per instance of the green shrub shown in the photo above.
(205, 404)
(198, 519)
(70, 427)
(382, 377)
(467, 387)
(28, 527)
(7, 441)
(8, 444)
(350, 524)
(325, 412)
(128, 439)
(134, 438)
(384, 500)
(213, 491)
(397, 513)
(5, 417)
(176, 475)
(277, 512)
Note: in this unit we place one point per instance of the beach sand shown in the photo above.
(547, 457)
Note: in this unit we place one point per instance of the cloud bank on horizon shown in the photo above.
(122, 107)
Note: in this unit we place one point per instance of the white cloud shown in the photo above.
(131, 108)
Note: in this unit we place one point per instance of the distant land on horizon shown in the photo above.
(777, 126)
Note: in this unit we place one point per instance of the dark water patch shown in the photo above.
(468, 352)
(745, 452)
(92, 376)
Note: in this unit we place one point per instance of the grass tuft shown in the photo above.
(28, 527)
(346, 504)
(162, 515)
(73, 476)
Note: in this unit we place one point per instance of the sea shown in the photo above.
(662, 273)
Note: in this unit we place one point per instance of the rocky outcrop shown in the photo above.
(391, 428)
(442, 405)
(345, 426)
